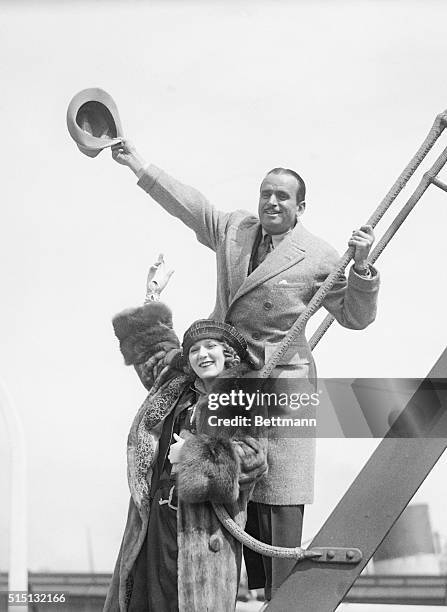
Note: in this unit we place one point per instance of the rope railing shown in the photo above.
(267, 550)
(428, 178)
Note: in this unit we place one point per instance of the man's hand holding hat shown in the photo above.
(126, 154)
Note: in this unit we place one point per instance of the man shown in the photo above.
(268, 269)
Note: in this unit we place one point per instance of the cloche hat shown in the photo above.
(207, 328)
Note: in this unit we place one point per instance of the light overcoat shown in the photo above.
(265, 304)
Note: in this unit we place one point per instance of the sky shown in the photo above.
(216, 94)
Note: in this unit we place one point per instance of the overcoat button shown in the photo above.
(268, 305)
(256, 335)
(215, 543)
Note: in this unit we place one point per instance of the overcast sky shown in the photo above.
(216, 94)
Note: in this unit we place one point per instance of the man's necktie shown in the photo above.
(264, 249)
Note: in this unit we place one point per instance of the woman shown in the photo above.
(175, 555)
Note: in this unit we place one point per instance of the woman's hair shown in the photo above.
(231, 358)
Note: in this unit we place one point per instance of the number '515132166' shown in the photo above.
(22, 597)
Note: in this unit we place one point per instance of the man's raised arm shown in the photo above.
(181, 201)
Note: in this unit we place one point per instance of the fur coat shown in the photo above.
(219, 466)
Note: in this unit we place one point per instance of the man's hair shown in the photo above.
(301, 191)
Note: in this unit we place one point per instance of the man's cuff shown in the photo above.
(148, 176)
(362, 282)
(365, 271)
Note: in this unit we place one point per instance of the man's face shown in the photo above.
(278, 208)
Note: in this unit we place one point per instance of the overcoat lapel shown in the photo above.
(241, 250)
(286, 254)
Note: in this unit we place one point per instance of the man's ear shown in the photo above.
(300, 208)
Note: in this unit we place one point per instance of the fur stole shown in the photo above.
(209, 470)
(215, 468)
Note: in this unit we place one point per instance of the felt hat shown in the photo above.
(93, 121)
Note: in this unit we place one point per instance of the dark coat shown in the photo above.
(211, 470)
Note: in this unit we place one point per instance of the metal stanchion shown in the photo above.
(18, 559)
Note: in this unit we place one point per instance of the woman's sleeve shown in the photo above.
(145, 373)
(142, 333)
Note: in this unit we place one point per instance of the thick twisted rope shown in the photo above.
(315, 303)
(428, 178)
(260, 547)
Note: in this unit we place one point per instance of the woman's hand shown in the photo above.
(157, 277)
(175, 450)
(252, 455)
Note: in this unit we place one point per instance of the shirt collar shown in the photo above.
(276, 238)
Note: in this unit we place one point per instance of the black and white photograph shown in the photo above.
(223, 345)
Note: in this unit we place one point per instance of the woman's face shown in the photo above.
(207, 358)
